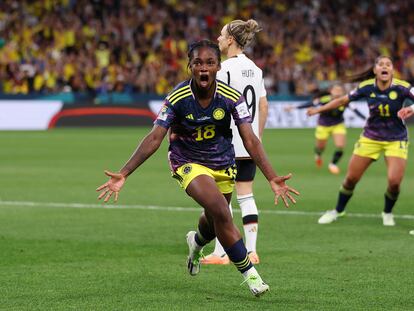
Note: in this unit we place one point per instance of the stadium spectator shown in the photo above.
(241, 73)
(384, 132)
(306, 43)
(197, 115)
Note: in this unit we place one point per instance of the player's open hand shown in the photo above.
(282, 190)
(405, 113)
(112, 186)
(312, 111)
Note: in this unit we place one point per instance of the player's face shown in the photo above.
(384, 69)
(204, 66)
(337, 91)
(223, 40)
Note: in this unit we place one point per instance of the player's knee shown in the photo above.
(394, 185)
(350, 182)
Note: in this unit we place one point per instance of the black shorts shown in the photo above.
(246, 170)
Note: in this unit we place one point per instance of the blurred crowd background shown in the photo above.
(140, 46)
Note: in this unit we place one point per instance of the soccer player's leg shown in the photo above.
(396, 154)
(246, 170)
(214, 196)
(321, 135)
(365, 153)
(196, 240)
(339, 138)
(218, 256)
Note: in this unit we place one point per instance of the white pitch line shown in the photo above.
(177, 208)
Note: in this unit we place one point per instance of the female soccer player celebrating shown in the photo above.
(383, 132)
(197, 115)
(329, 123)
(242, 74)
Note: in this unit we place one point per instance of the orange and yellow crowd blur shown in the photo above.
(140, 46)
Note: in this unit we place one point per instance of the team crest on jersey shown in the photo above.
(218, 114)
(187, 169)
(372, 95)
(393, 95)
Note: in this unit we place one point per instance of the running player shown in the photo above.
(197, 115)
(241, 73)
(384, 133)
(329, 123)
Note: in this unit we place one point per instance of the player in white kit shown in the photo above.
(242, 73)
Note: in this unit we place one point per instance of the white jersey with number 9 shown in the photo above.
(242, 73)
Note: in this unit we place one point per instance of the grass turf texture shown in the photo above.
(57, 258)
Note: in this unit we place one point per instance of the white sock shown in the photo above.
(218, 248)
(248, 207)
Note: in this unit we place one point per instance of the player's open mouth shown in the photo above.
(384, 74)
(204, 80)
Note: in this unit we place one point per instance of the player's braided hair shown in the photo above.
(203, 43)
(243, 32)
(366, 74)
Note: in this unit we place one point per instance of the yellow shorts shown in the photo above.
(370, 148)
(323, 132)
(224, 178)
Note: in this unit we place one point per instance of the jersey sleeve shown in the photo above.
(357, 93)
(240, 112)
(409, 93)
(166, 115)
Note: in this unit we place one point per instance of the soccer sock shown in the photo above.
(250, 220)
(318, 151)
(238, 255)
(390, 199)
(337, 156)
(343, 198)
(218, 248)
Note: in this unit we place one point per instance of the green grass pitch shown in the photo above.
(60, 249)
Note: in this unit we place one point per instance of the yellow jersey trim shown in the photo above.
(236, 93)
(366, 82)
(325, 99)
(181, 89)
(181, 96)
(401, 82)
(225, 94)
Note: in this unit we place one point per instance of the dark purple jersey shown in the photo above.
(383, 123)
(332, 117)
(202, 135)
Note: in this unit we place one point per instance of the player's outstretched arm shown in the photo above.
(145, 149)
(256, 151)
(406, 112)
(263, 113)
(341, 101)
